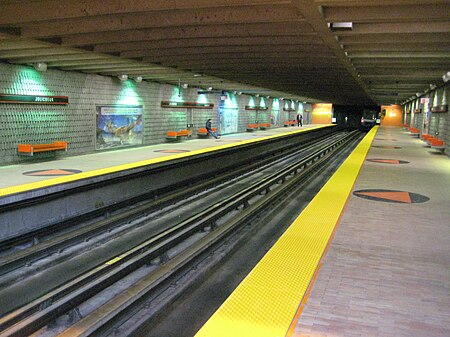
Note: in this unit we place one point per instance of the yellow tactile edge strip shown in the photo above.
(84, 175)
(266, 301)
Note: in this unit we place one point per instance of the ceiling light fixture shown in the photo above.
(40, 66)
(123, 77)
(138, 79)
(210, 88)
(185, 85)
(340, 26)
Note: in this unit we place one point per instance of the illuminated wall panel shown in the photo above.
(393, 116)
(322, 113)
(275, 112)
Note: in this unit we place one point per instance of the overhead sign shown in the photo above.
(191, 105)
(34, 99)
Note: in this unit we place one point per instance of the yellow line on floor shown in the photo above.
(266, 301)
(85, 175)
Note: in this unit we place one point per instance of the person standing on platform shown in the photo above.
(210, 130)
(299, 120)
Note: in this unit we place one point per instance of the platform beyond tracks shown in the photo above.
(34, 175)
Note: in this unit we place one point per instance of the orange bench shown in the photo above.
(290, 123)
(265, 126)
(31, 149)
(178, 135)
(425, 136)
(414, 131)
(437, 144)
(252, 127)
(202, 132)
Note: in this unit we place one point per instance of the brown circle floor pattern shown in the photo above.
(51, 173)
(401, 197)
(172, 151)
(386, 147)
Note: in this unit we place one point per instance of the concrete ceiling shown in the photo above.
(394, 49)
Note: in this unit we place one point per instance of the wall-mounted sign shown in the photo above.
(288, 109)
(34, 99)
(190, 105)
(439, 108)
(424, 100)
(258, 107)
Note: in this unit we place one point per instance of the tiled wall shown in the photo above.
(439, 123)
(76, 122)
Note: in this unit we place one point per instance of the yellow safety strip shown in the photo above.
(114, 260)
(84, 175)
(267, 300)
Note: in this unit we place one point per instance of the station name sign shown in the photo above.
(190, 105)
(34, 99)
(258, 107)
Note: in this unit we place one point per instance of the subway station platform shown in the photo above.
(26, 176)
(369, 256)
(387, 272)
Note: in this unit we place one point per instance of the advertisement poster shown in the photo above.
(119, 126)
(228, 117)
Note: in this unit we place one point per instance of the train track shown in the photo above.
(204, 230)
(83, 232)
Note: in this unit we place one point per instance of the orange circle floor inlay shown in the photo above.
(388, 161)
(51, 172)
(401, 197)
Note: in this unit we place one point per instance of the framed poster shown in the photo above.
(228, 117)
(119, 126)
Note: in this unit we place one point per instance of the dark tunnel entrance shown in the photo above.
(349, 116)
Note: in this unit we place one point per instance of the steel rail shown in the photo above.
(24, 238)
(60, 242)
(94, 323)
